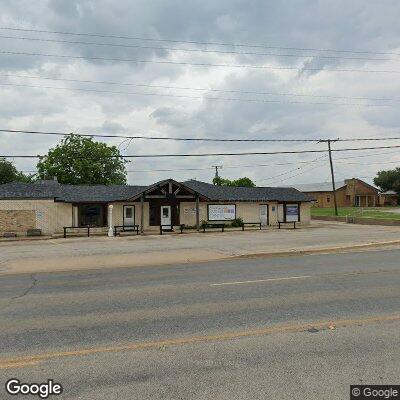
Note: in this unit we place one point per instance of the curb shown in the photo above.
(319, 250)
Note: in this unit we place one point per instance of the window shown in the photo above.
(328, 199)
(128, 212)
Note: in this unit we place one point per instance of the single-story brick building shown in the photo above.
(389, 198)
(50, 206)
(349, 193)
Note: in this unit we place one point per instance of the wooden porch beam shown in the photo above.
(197, 213)
(141, 212)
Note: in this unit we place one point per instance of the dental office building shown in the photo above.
(50, 206)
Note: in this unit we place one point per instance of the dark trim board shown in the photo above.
(220, 204)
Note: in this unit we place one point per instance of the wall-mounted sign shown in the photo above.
(189, 210)
(292, 212)
(221, 212)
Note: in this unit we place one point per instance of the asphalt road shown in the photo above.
(294, 327)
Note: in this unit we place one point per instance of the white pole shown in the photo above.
(110, 221)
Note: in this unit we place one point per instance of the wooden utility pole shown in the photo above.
(333, 176)
(332, 172)
(217, 167)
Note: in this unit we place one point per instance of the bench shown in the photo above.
(215, 226)
(87, 228)
(171, 227)
(126, 228)
(251, 224)
(286, 222)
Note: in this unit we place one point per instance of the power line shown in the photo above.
(319, 159)
(199, 64)
(210, 168)
(293, 176)
(222, 154)
(197, 88)
(250, 166)
(136, 46)
(364, 155)
(282, 174)
(264, 46)
(159, 137)
(196, 97)
(193, 138)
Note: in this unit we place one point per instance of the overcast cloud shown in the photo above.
(360, 25)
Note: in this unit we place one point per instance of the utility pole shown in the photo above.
(332, 173)
(217, 167)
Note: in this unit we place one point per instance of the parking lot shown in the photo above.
(103, 252)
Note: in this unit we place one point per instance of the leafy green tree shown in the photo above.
(81, 160)
(247, 182)
(388, 180)
(9, 173)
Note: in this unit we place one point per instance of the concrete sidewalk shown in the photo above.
(131, 251)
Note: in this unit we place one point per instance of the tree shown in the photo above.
(247, 182)
(81, 160)
(388, 180)
(9, 173)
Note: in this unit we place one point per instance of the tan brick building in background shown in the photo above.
(349, 193)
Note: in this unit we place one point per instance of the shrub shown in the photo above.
(237, 222)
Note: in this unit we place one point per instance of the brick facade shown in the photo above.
(48, 215)
(354, 193)
(17, 221)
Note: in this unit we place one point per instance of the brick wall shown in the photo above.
(18, 221)
(49, 216)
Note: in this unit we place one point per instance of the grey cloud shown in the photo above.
(360, 24)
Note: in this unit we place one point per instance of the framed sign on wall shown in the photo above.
(292, 213)
(221, 212)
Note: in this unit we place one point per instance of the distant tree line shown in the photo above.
(236, 182)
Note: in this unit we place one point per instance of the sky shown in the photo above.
(254, 69)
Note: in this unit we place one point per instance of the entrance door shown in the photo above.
(264, 214)
(129, 215)
(165, 215)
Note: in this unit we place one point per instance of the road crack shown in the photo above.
(31, 287)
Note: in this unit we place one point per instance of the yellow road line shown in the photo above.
(29, 360)
(19, 364)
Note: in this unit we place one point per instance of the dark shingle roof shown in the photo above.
(103, 193)
(230, 193)
(89, 193)
(68, 193)
(18, 190)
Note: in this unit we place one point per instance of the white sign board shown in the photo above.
(292, 212)
(189, 211)
(221, 212)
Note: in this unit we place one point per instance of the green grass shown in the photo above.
(379, 213)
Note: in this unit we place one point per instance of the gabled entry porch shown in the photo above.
(164, 200)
